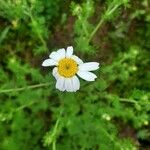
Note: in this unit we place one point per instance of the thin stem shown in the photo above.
(83, 26)
(24, 88)
(38, 33)
(125, 100)
(96, 29)
(113, 9)
(128, 100)
(4, 34)
(102, 20)
(55, 131)
(29, 13)
(54, 145)
(134, 101)
(111, 138)
(26, 105)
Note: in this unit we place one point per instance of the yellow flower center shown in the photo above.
(67, 67)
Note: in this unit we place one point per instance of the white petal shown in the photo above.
(69, 51)
(90, 66)
(68, 85)
(55, 73)
(49, 62)
(60, 54)
(75, 83)
(60, 84)
(88, 76)
(77, 59)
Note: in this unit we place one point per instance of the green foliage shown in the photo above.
(111, 113)
(83, 28)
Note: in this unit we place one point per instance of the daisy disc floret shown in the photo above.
(67, 67)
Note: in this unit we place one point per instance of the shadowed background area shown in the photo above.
(112, 112)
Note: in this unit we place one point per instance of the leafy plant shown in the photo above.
(111, 113)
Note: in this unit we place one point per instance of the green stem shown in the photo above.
(26, 105)
(134, 101)
(96, 29)
(83, 26)
(111, 138)
(128, 100)
(24, 88)
(112, 10)
(55, 131)
(29, 13)
(102, 20)
(4, 34)
(38, 33)
(54, 145)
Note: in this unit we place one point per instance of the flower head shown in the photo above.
(67, 67)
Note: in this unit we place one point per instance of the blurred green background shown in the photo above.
(112, 113)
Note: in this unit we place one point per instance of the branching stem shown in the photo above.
(128, 100)
(106, 15)
(96, 29)
(24, 88)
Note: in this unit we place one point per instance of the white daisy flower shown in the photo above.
(67, 67)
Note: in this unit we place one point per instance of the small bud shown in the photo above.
(146, 122)
(77, 10)
(145, 97)
(12, 60)
(32, 1)
(135, 52)
(14, 23)
(134, 68)
(106, 117)
(17, 2)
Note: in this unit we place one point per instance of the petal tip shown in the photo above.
(43, 64)
(69, 51)
(70, 47)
